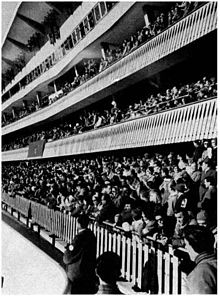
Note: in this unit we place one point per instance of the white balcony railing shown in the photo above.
(195, 121)
(197, 24)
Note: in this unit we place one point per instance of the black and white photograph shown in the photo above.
(109, 147)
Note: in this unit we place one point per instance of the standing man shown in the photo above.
(80, 260)
(207, 171)
(199, 242)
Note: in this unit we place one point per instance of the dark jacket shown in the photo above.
(204, 175)
(81, 261)
(203, 278)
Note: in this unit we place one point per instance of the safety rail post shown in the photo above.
(128, 259)
(134, 261)
(98, 240)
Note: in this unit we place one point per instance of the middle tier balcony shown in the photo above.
(184, 124)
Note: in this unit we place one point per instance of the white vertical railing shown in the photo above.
(196, 121)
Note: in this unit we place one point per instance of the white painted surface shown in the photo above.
(26, 269)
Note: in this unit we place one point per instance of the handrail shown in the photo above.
(162, 265)
(187, 30)
(184, 124)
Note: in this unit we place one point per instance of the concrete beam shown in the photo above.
(20, 45)
(35, 25)
(51, 4)
(7, 61)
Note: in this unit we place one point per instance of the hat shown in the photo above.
(180, 187)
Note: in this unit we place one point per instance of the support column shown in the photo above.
(3, 115)
(13, 112)
(38, 98)
(76, 72)
(103, 53)
(19, 84)
(24, 103)
(9, 93)
(104, 47)
(55, 87)
(148, 14)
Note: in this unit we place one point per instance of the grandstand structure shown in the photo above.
(182, 52)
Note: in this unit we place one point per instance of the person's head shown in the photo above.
(164, 172)
(214, 142)
(180, 188)
(115, 191)
(157, 169)
(172, 186)
(127, 206)
(181, 217)
(209, 181)
(206, 164)
(105, 199)
(154, 196)
(108, 188)
(160, 220)
(198, 239)
(136, 214)
(82, 221)
(206, 143)
(144, 195)
(196, 143)
(108, 267)
(193, 166)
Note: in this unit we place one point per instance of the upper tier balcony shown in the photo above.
(131, 68)
(53, 61)
(184, 124)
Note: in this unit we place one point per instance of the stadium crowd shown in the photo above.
(92, 119)
(92, 67)
(153, 195)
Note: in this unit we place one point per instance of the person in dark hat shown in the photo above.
(108, 268)
(80, 260)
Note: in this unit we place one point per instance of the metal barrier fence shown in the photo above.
(146, 260)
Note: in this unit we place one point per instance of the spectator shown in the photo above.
(79, 258)
(199, 244)
(149, 225)
(107, 211)
(214, 151)
(209, 200)
(183, 219)
(198, 150)
(172, 199)
(125, 215)
(207, 171)
(108, 268)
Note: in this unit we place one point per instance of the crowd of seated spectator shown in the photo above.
(93, 67)
(154, 195)
(93, 119)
